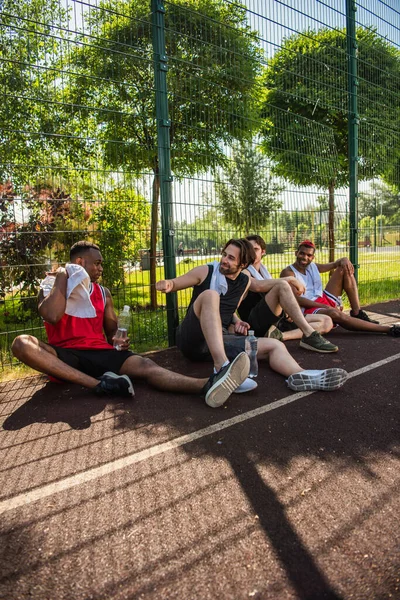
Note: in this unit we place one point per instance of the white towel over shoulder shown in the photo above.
(218, 281)
(78, 291)
(263, 274)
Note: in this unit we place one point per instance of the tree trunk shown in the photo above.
(153, 240)
(331, 221)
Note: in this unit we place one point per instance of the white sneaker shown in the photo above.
(247, 385)
(328, 379)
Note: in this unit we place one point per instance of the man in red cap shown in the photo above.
(328, 301)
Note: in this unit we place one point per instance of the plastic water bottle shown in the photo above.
(124, 321)
(251, 351)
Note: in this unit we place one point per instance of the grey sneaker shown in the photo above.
(114, 385)
(327, 380)
(317, 343)
(274, 333)
(221, 385)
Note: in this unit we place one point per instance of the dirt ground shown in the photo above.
(276, 495)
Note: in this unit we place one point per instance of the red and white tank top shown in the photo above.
(81, 333)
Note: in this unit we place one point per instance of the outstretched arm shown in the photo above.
(52, 307)
(191, 278)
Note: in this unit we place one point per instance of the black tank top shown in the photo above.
(229, 301)
(251, 300)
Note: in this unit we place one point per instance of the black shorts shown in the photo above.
(93, 362)
(190, 340)
(261, 318)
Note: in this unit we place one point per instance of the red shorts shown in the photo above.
(327, 299)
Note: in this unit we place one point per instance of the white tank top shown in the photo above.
(311, 280)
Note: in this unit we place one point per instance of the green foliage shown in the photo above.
(27, 110)
(112, 82)
(305, 107)
(380, 198)
(122, 221)
(246, 191)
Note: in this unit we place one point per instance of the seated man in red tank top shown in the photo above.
(80, 348)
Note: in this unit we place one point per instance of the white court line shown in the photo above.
(126, 461)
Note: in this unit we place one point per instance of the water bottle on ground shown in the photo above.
(251, 351)
(124, 321)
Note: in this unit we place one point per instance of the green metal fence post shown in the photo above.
(353, 120)
(164, 158)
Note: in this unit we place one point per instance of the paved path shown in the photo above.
(276, 495)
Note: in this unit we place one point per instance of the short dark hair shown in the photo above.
(246, 254)
(258, 240)
(82, 247)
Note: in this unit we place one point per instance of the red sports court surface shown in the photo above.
(276, 495)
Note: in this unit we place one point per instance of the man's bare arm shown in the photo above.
(191, 278)
(110, 320)
(52, 307)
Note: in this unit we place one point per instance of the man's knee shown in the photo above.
(21, 344)
(326, 323)
(208, 298)
(283, 285)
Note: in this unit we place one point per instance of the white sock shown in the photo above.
(311, 372)
(224, 365)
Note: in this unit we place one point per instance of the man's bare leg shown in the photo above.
(321, 323)
(280, 360)
(43, 358)
(353, 324)
(206, 308)
(140, 367)
(281, 297)
(341, 280)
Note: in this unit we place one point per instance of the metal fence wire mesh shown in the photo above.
(159, 130)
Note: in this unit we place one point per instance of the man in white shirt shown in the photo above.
(316, 300)
(269, 299)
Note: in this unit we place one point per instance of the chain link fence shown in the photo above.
(161, 129)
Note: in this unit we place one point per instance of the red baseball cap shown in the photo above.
(308, 243)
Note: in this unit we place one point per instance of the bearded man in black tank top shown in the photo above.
(218, 290)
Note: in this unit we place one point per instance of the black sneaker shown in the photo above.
(394, 331)
(221, 385)
(363, 316)
(114, 385)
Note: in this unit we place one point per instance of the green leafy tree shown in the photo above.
(246, 191)
(28, 107)
(305, 109)
(380, 198)
(207, 233)
(210, 47)
(122, 227)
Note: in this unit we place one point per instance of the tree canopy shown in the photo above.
(305, 107)
(246, 191)
(110, 88)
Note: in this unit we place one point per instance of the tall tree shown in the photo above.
(28, 48)
(305, 108)
(213, 66)
(246, 191)
(380, 198)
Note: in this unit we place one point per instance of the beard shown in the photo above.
(229, 270)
